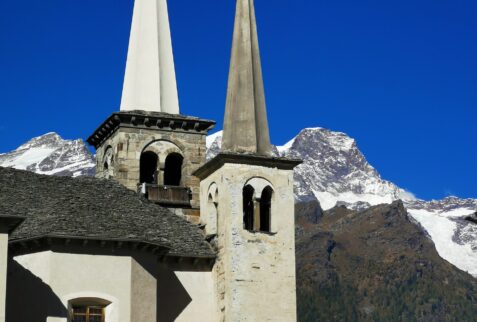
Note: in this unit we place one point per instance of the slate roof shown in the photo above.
(94, 209)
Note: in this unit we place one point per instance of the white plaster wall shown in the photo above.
(144, 291)
(118, 279)
(255, 272)
(3, 273)
(138, 289)
(200, 286)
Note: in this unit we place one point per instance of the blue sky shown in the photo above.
(399, 76)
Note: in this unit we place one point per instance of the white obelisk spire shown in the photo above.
(150, 78)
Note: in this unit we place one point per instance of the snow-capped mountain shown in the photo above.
(335, 172)
(50, 154)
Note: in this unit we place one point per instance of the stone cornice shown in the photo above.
(149, 121)
(248, 159)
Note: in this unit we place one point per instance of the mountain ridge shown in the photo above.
(334, 173)
(50, 154)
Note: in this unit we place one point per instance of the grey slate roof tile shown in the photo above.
(93, 208)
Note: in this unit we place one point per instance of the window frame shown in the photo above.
(88, 313)
(87, 305)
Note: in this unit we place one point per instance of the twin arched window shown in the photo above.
(257, 211)
(151, 174)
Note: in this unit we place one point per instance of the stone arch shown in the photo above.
(213, 191)
(159, 145)
(107, 164)
(259, 184)
(163, 149)
(211, 211)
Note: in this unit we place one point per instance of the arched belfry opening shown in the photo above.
(148, 167)
(266, 209)
(213, 216)
(173, 170)
(257, 207)
(211, 212)
(164, 179)
(248, 207)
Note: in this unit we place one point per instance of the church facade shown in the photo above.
(161, 233)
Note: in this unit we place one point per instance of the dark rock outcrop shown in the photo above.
(472, 218)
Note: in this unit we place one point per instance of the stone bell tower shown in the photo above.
(247, 201)
(148, 146)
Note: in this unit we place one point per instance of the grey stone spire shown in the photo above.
(245, 124)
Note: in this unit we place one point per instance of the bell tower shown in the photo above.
(247, 201)
(148, 146)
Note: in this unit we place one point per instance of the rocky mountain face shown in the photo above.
(51, 155)
(335, 173)
(377, 265)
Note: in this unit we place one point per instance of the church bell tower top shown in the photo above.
(150, 78)
(245, 123)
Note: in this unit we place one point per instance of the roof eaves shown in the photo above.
(42, 242)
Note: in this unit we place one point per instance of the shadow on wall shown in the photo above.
(172, 297)
(29, 298)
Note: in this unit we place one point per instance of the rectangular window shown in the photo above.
(88, 314)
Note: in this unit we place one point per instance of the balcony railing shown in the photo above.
(168, 196)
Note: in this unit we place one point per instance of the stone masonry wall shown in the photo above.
(127, 144)
(255, 272)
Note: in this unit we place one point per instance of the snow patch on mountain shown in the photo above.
(214, 143)
(287, 146)
(51, 155)
(447, 230)
(214, 138)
